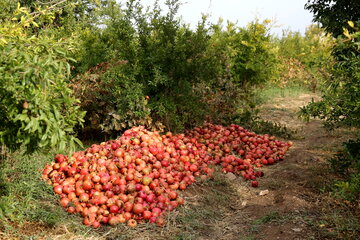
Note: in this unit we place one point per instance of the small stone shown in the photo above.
(297, 229)
(264, 192)
(230, 176)
(243, 204)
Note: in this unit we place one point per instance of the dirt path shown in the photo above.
(294, 205)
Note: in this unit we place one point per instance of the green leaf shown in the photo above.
(30, 124)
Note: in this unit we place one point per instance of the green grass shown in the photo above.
(257, 223)
(267, 218)
(27, 201)
(270, 91)
(247, 238)
(21, 186)
(334, 223)
(25, 198)
(250, 119)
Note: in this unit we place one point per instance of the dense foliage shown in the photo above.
(148, 67)
(145, 66)
(341, 100)
(334, 14)
(347, 163)
(305, 60)
(340, 105)
(37, 108)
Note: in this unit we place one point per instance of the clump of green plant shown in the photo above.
(347, 163)
(341, 100)
(164, 60)
(340, 107)
(334, 14)
(243, 58)
(37, 111)
(340, 103)
(37, 108)
(112, 99)
(23, 194)
(188, 75)
(304, 60)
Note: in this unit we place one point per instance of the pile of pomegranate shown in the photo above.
(136, 177)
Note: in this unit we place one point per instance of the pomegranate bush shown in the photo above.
(136, 177)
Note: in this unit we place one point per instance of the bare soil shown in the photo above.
(297, 205)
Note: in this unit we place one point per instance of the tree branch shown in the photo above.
(36, 14)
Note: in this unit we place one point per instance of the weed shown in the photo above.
(25, 197)
(338, 223)
(247, 238)
(268, 218)
(347, 163)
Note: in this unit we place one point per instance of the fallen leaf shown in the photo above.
(264, 192)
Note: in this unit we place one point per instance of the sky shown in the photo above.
(286, 13)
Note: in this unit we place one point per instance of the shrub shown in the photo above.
(113, 100)
(340, 103)
(304, 60)
(189, 75)
(37, 108)
(347, 163)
